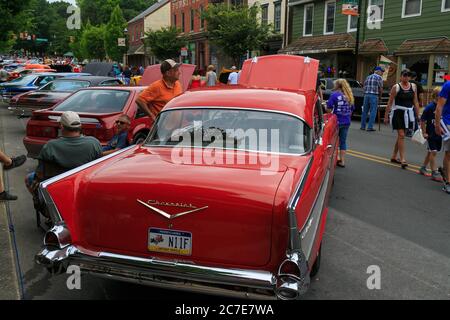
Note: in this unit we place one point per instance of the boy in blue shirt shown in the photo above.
(427, 123)
(120, 140)
(443, 116)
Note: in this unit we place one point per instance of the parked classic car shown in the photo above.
(193, 184)
(47, 96)
(98, 108)
(24, 84)
(358, 93)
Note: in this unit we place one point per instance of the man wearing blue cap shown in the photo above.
(373, 88)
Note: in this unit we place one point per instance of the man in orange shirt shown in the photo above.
(160, 92)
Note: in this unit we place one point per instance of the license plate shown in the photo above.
(170, 241)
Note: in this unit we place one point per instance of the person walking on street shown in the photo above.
(427, 124)
(127, 75)
(3, 74)
(442, 117)
(211, 76)
(341, 103)
(401, 108)
(8, 164)
(160, 92)
(373, 88)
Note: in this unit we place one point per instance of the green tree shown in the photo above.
(10, 25)
(97, 12)
(131, 8)
(165, 43)
(235, 29)
(92, 43)
(113, 31)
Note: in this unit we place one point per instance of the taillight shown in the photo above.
(103, 134)
(42, 131)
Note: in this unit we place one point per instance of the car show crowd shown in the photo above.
(72, 149)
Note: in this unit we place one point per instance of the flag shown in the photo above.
(385, 64)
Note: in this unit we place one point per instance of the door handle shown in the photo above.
(329, 146)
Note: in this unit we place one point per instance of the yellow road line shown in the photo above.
(378, 161)
(379, 158)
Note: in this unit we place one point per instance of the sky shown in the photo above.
(70, 1)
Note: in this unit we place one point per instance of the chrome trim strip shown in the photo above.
(294, 239)
(66, 174)
(239, 108)
(165, 214)
(150, 269)
(314, 217)
(229, 149)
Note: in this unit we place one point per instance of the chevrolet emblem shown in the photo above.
(150, 204)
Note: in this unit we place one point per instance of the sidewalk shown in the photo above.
(9, 289)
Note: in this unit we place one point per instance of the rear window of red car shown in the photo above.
(231, 129)
(95, 101)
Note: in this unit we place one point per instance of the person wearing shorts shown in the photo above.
(427, 123)
(442, 116)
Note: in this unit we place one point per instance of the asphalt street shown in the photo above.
(380, 215)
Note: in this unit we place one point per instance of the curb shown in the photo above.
(9, 284)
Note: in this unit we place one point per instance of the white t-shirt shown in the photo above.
(233, 78)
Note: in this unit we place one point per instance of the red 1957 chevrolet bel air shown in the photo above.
(228, 194)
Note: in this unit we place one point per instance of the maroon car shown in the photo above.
(24, 104)
(98, 108)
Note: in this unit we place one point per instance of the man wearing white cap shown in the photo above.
(67, 152)
(160, 92)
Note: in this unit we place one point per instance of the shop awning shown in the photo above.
(434, 45)
(136, 50)
(373, 46)
(320, 44)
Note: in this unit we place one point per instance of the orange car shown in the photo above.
(37, 66)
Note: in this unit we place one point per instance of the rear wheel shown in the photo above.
(316, 266)
(140, 137)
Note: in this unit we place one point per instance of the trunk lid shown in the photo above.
(122, 206)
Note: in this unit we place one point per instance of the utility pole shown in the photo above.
(358, 27)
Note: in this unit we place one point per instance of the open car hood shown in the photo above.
(285, 72)
(152, 73)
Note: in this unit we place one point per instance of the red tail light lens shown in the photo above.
(42, 131)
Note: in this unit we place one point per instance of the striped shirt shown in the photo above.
(373, 84)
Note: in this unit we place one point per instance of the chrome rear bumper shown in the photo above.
(238, 283)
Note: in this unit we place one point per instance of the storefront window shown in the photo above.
(330, 10)
(412, 8)
(440, 69)
(419, 64)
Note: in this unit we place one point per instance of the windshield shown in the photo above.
(23, 80)
(231, 129)
(65, 85)
(95, 101)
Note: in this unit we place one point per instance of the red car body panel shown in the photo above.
(47, 128)
(251, 221)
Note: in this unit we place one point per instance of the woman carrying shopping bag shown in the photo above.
(401, 109)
